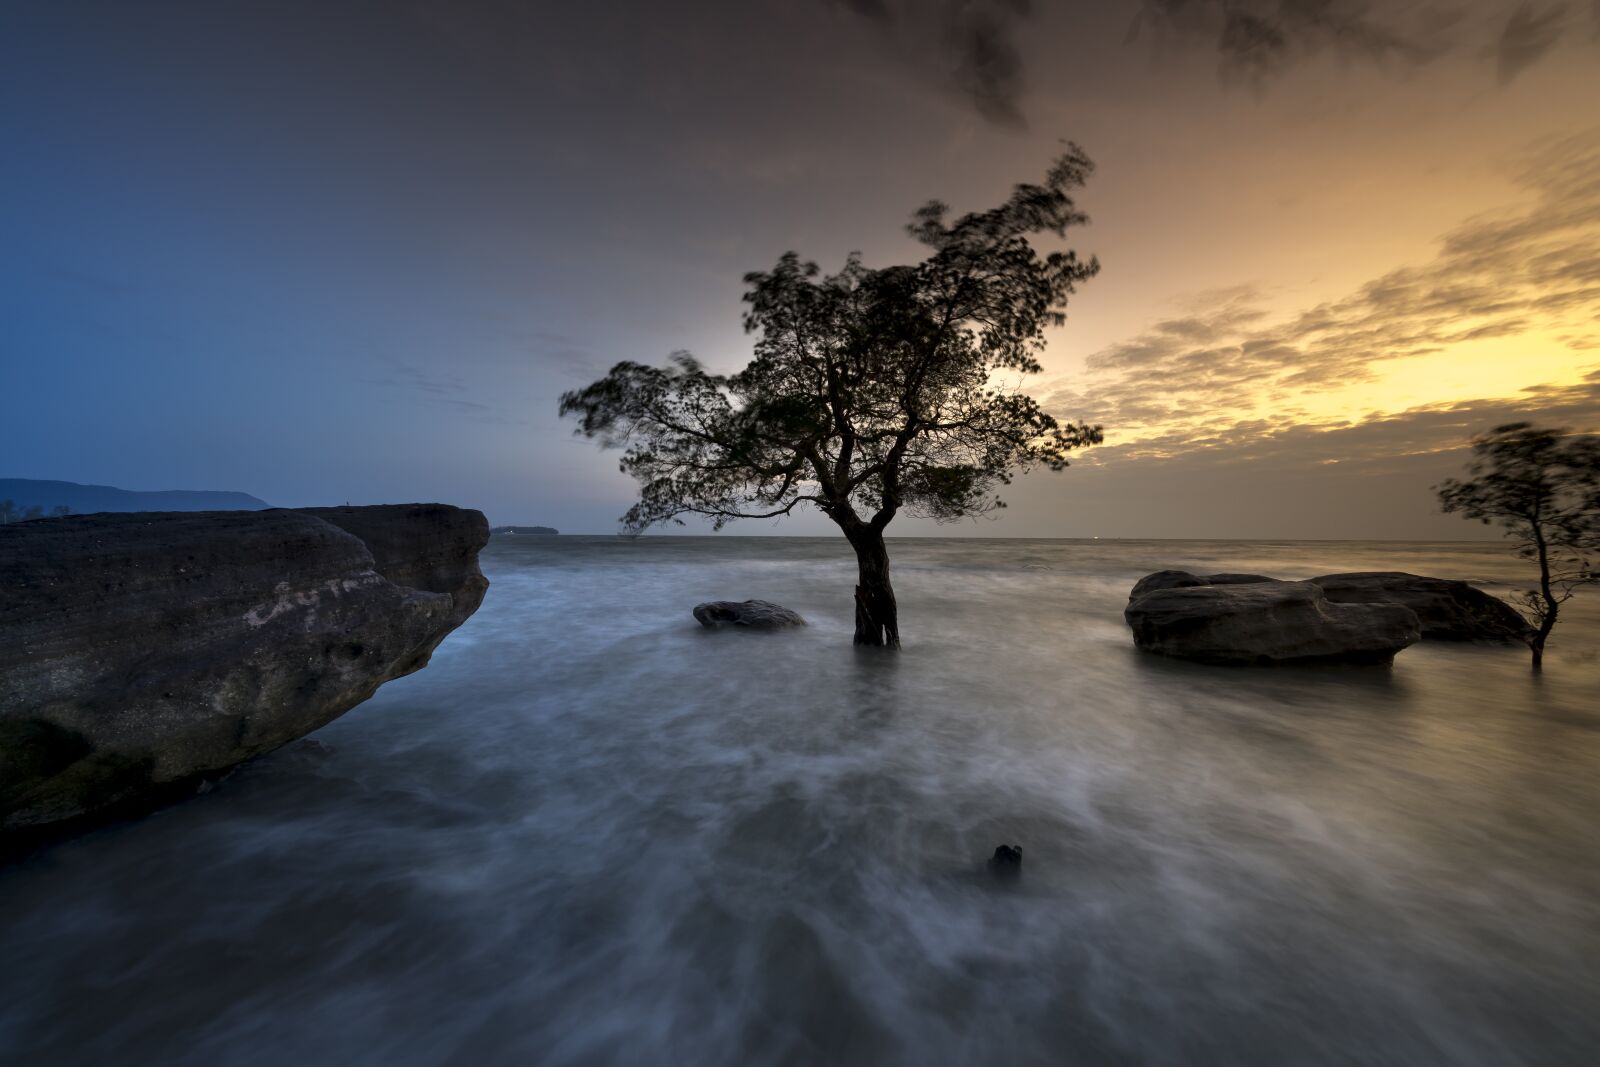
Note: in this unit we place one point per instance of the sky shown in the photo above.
(327, 252)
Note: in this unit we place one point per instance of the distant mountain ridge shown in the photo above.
(86, 499)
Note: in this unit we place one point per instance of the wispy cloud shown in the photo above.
(969, 45)
(570, 357)
(1377, 440)
(1258, 40)
(445, 391)
(1229, 370)
(1529, 33)
(406, 376)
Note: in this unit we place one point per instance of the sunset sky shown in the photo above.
(325, 252)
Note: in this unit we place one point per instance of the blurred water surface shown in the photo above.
(591, 832)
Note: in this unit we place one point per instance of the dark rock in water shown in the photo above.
(1248, 619)
(143, 652)
(1006, 861)
(1448, 610)
(755, 614)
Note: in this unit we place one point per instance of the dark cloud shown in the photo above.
(988, 67)
(969, 45)
(1257, 40)
(1494, 276)
(972, 46)
(1529, 33)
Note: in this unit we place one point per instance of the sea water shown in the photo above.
(593, 833)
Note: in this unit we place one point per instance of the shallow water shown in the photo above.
(592, 833)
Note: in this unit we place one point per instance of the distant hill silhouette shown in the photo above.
(526, 531)
(85, 499)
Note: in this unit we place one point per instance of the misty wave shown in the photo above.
(592, 832)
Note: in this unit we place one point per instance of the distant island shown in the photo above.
(25, 494)
(523, 531)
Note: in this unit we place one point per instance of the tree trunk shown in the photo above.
(877, 619)
(1547, 617)
(1536, 642)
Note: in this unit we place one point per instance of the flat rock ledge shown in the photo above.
(753, 614)
(141, 653)
(1250, 619)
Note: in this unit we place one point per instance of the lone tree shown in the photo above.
(872, 391)
(1543, 486)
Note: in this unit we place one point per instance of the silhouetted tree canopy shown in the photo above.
(871, 390)
(1542, 486)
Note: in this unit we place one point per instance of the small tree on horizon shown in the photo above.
(1543, 486)
(871, 391)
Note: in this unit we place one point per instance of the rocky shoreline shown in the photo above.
(143, 653)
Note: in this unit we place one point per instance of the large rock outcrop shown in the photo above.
(142, 652)
(1241, 619)
(1448, 610)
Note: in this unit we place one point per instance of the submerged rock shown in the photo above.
(1448, 610)
(755, 614)
(143, 652)
(1006, 863)
(1248, 619)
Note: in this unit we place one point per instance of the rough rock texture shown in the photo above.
(756, 614)
(1264, 621)
(1448, 610)
(431, 547)
(141, 652)
(1184, 580)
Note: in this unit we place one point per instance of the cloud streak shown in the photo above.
(973, 48)
(1229, 371)
(439, 391)
(1259, 40)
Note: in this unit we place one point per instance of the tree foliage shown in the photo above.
(1543, 486)
(871, 390)
(11, 511)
